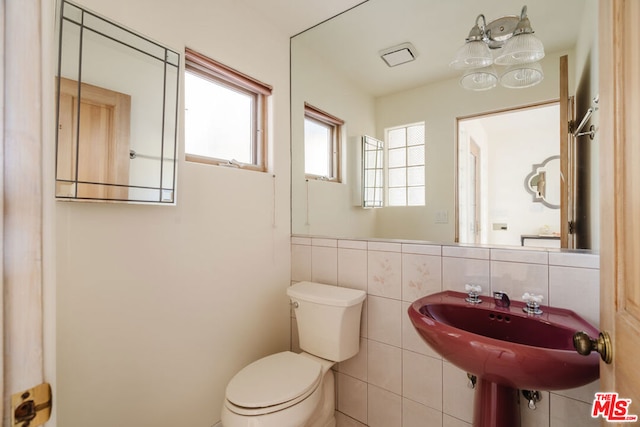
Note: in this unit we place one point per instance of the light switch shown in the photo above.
(442, 217)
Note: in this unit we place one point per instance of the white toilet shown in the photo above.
(297, 390)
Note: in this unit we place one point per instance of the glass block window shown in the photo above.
(405, 165)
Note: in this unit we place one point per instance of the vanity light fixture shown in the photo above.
(480, 78)
(515, 46)
(399, 54)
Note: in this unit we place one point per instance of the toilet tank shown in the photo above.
(328, 319)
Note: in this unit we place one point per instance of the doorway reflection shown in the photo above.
(495, 154)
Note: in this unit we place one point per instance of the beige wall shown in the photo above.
(321, 207)
(158, 306)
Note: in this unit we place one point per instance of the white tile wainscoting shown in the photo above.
(396, 380)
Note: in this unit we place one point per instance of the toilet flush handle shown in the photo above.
(294, 304)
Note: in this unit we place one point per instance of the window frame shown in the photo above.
(218, 73)
(334, 124)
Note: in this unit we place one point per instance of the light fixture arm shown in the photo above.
(524, 26)
(478, 32)
(520, 52)
(484, 22)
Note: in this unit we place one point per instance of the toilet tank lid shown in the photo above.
(326, 294)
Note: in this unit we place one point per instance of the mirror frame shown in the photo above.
(535, 170)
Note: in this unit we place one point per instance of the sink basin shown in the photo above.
(506, 348)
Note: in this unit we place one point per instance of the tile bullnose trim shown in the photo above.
(295, 240)
(522, 256)
(466, 252)
(384, 246)
(426, 249)
(352, 244)
(575, 259)
(324, 242)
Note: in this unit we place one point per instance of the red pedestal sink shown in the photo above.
(506, 348)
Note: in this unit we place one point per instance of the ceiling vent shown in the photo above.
(400, 54)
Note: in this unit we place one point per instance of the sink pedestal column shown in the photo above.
(495, 405)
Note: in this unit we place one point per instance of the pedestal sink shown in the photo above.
(506, 348)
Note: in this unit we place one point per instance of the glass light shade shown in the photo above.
(474, 54)
(522, 75)
(521, 49)
(479, 79)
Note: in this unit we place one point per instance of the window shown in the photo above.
(225, 117)
(321, 144)
(405, 165)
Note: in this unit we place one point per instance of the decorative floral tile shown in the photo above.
(385, 274)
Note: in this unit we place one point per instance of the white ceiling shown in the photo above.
(437, 28)
(295, 16)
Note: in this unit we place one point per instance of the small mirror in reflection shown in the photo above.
(543, 182)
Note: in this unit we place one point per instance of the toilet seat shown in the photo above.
(273, 383)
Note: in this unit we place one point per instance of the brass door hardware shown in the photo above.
(585, 345)
(31, 408)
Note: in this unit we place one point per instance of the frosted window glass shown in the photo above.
(397, 196)
(397, 177)
(397, 138)
(415, 155)
(397, 157)
(415, 135)
(415, 176)
(415, 196)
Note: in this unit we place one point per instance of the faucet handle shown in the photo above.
(473, 288)
(474, 292)
(527, 297)
(533, 303)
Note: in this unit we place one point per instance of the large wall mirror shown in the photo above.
(337, 66)
(117, 112)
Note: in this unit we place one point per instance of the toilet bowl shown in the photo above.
(282, 390)
(297, 389)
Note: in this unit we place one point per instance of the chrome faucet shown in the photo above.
(501, 299)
